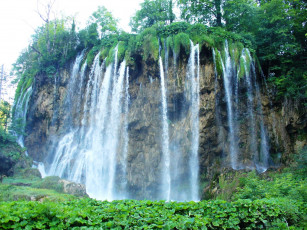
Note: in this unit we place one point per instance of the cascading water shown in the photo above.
(258, 147)
(21, 109)
(123, 184)
(250, 105)
(180, 153)
(263, 162)
(193, 77)
(88, 154)
(228, 86)
(166, 175)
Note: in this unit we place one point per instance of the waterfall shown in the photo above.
(113, 128)
(250, 105)
(258, 147)
(166, 180)
(261, 155)
(72, 88)
(221, 135)
(263, 163)
(193, 78)
(88, 154)
(125, 139)
(180, 164)
(21, 109)
(228, 80)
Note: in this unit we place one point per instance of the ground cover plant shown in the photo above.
(133, 214)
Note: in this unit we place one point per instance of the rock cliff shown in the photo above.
(284, 123)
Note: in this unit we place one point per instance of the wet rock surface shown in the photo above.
(284, 123)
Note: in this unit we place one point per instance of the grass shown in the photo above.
(28, 188)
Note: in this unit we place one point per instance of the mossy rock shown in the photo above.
(28, 173)
(50, 182)
(6, 165)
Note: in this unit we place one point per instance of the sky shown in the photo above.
(19, 19)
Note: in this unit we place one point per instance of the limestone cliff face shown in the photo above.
(287, 126)
(47, 112)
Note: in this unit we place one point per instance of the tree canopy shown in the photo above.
(153, 12)
(275, 29)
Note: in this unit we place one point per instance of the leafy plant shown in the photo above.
(182, 40)
(88, 213)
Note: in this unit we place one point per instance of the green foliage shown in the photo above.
(153, 12)
(104, 19)
(235, 50)
(110, 57)
(88, 37)
(22, 191)
(150, 44)
(26, 184)
(228, 186)
(218, 62)
(91, 55)
(241, 68)
(182, 40)
(9, 148)
(173, 29)
(145, 214)
(5, 115)
(122, 47)
(51, 182)
(241, 16)
(286, 185)
(199, 35)
(203, 11)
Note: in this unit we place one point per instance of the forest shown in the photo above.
(273, 31)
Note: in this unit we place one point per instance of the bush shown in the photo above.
(275, 185)
(150, 44)
(50, 182)
(182, 40)
(88, 213)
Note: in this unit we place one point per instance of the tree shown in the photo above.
(152, 12)
(202, 11)
(106, 24)
(5, 110)
(241, 16)
(45, 16)
(282, 45)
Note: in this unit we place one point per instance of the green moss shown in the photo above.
(170, 43)
(91, 56)
(122, 46)
(218, 63)
(241, 68)
(206, 41)
(25, 186)
(236, 51)
(104, 53)
(13, 151)
(247, 59)
(51, 182)
(151, 47)
(111, 55)
(199, 35)
(182, 40)
(27, 84)
(10, 192)
(173, 29)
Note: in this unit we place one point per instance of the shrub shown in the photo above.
(50, 182)
(286, 185)
(182, 40)
(88, 213)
